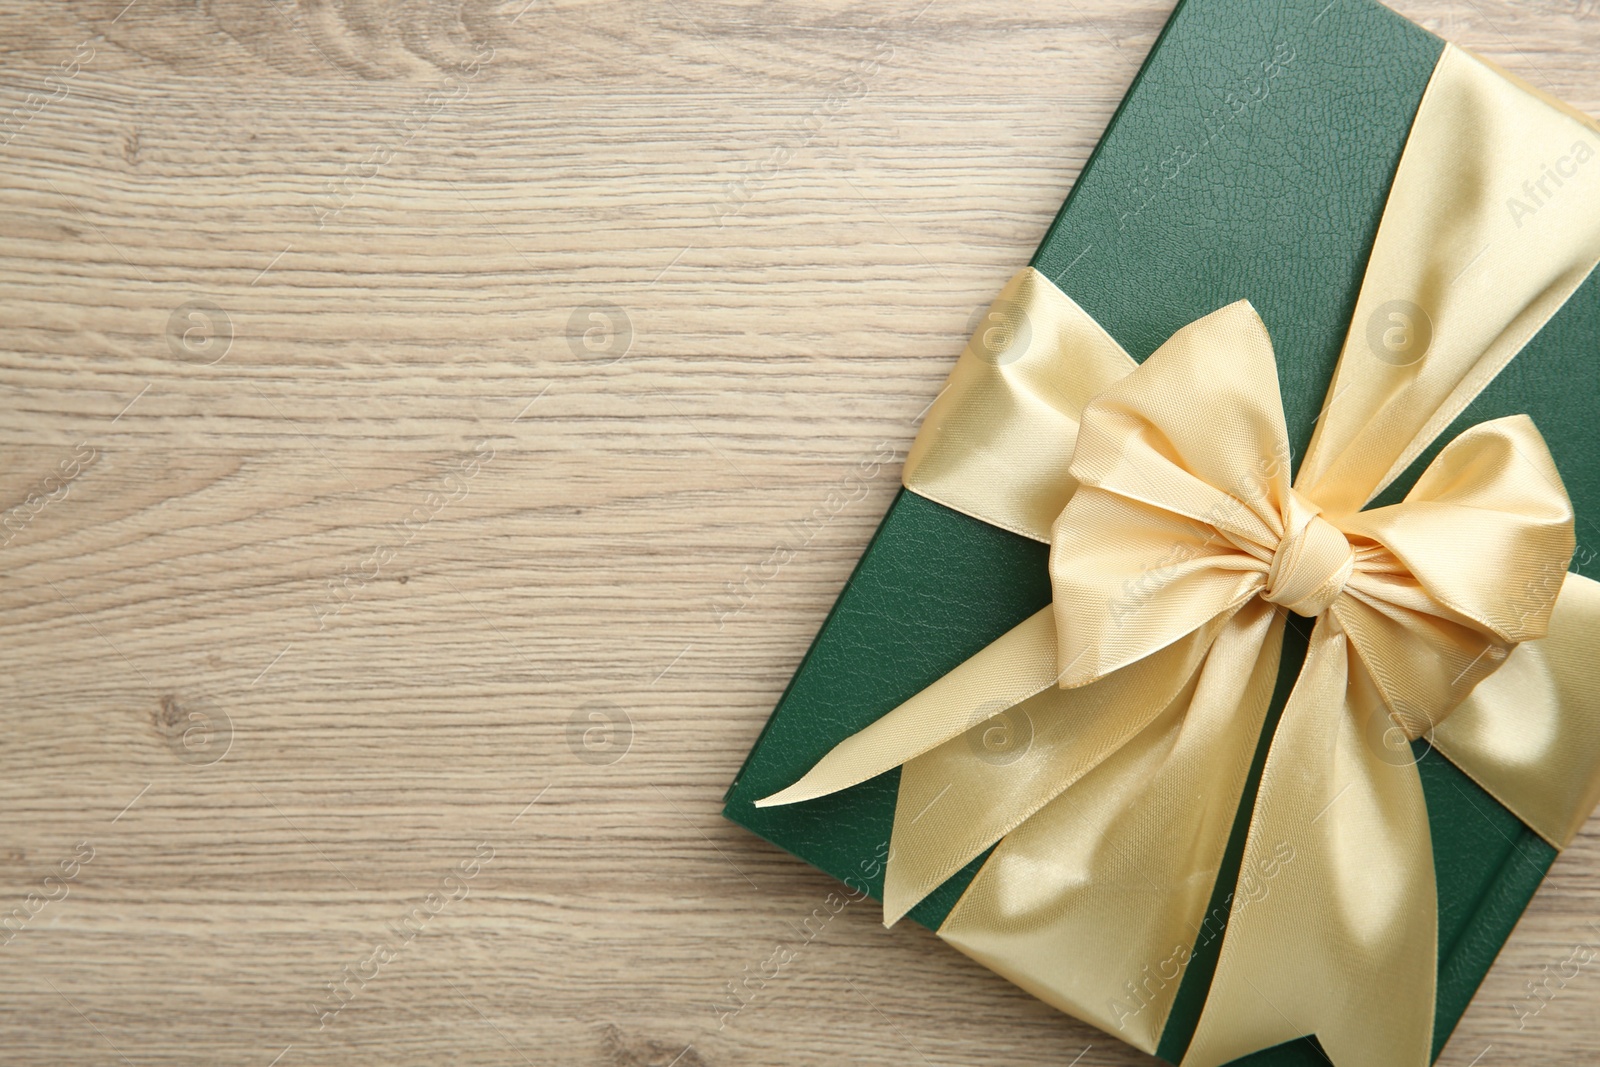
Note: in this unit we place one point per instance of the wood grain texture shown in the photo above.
(387, 562)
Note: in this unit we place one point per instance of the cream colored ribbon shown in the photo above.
(1180, 548)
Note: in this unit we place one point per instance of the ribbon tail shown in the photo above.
(961, 797)
(1021, 663)
(1334, 922)
(1094, 903)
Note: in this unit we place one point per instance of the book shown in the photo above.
(1251, 158)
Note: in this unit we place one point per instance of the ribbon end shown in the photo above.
(792, 795)
(900, 893)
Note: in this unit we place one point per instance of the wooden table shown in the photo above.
(386, 435)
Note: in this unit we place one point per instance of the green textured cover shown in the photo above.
(1213, 182)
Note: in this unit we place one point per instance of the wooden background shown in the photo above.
(380, 438)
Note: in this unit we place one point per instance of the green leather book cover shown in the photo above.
(1251, 159)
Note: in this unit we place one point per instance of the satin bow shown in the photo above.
(1174, 566)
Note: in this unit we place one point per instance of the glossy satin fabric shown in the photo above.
(997, 441)
(1539, 763)
(1179, 552)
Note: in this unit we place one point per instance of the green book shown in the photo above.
(1213, 182)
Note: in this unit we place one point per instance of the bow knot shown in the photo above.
(1311, 564)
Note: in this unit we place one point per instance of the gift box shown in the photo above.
(1255, 157)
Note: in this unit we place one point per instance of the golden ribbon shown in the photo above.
(1180, 548)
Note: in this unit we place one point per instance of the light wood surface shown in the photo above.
(368, 571)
